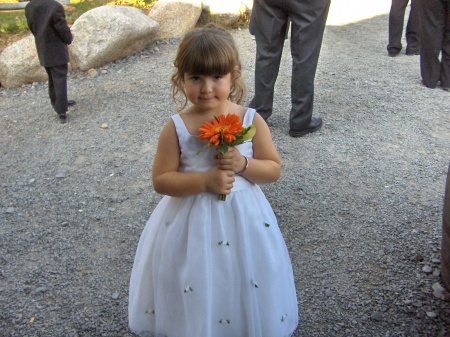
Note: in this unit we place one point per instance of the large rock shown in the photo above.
(175, 17)
(19, 64)
(108, 33)
(225, 13)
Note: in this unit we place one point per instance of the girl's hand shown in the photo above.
(232, 160)
(219, 181)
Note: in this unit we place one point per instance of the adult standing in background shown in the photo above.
(435, 37)
(269, 23)
(396, 19)
(47, 21)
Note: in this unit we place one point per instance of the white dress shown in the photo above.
(211, 268)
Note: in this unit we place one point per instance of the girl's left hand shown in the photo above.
(232, 160)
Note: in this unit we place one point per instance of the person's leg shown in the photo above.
(445, 56)
(413, 30)
(308, 24)
(269, 24)
(59, 78)
(51, 87)
(396, 19)
(431, 37)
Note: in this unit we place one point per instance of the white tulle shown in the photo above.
(210, 268)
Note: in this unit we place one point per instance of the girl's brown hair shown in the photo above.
(209, 50)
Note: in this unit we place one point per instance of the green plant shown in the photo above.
(13, 24)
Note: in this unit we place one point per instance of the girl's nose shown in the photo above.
(207, 85)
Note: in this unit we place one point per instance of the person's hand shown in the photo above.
(219, 181)
(232, 160)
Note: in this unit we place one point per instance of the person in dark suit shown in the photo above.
(269, 23)
(396, 18)
(47, 21)
(435, 37)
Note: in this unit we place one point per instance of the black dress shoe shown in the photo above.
(63, 118)
(71, 102)
(313, 126)
(393, 53)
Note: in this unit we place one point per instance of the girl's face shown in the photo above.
(207, 92)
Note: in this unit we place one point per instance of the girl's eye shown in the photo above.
(218, 77)
(194, 77)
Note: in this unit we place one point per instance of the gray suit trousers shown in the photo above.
(269, 23)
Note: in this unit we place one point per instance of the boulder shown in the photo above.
(225, 13)
(19, 64)
(175, 17)
(108, 33)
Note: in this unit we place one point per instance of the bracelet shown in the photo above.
(245, 167)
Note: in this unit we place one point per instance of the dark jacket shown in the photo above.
(47, 21)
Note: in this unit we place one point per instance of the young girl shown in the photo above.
(205, 267)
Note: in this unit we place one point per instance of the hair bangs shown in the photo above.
(207, 56)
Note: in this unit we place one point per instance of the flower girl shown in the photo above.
(206, 267)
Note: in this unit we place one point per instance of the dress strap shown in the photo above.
(177, 121)
(180, 127)
(248, 117)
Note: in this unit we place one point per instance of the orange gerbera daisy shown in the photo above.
(221, 130)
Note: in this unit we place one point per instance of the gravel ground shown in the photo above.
(359, 202)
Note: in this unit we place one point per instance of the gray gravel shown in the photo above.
(359, 203)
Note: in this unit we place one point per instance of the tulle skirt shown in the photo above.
(210, 268)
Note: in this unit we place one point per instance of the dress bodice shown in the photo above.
(190, 144)
(192, 161)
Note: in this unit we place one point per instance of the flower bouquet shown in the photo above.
(225, 131)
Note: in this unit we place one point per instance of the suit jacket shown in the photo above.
(47, 21)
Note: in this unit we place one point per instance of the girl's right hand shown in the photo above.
(219, 181)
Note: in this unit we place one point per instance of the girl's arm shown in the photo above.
(265, 166)
(167, 180)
